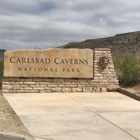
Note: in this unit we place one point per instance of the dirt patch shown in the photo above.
(137, 88)
(134, 89)
(9, 121)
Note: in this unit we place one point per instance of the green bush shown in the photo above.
(128, 70)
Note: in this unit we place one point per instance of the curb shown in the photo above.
(13, 136)
(130, 93)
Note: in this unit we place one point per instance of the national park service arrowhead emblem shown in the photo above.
(103, 61)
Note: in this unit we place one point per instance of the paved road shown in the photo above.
(78, 116)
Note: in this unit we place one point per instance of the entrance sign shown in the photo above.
(103, 61)
(59, 63)
(59, 70)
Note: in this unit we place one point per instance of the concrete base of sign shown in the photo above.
(82, 116)
(103, 80)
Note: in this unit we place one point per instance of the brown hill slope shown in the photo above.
(121, 44)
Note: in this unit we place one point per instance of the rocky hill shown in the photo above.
(120, 44)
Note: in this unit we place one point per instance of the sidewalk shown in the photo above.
(78, 116)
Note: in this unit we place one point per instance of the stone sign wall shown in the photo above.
(60, 63)
(90, 76)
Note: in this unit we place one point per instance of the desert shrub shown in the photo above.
(128, 70)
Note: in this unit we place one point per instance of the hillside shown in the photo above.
(120, 44)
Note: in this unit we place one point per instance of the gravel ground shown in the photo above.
(9, 122)
(137, 89)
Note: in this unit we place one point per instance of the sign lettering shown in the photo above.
(71, 63)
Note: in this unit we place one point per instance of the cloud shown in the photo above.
(51, 23)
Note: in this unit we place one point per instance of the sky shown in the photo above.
(44, 24)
